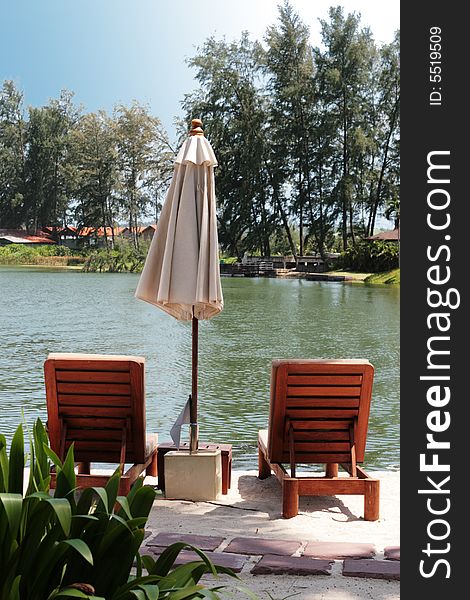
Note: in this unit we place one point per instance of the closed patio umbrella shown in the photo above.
(181, 274)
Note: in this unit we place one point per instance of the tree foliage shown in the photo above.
(307, 140)
(59, 165)
(307, 137)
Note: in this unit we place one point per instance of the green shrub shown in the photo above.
(21, 254)
(228, 260)
(81, 545)
(372, 257)
(27, 251)
(124, 258)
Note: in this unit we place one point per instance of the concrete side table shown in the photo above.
(226, 452)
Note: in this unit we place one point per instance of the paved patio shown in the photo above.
(327, 552)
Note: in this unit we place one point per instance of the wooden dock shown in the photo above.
(309, 267)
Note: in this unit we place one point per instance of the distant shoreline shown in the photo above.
(43, 266)
(391, 278)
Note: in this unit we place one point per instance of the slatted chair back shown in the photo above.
(98, 403)
(319, 411)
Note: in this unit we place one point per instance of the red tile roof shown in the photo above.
(95, 231)
(20, 236)
(388, 236)
(140, 229)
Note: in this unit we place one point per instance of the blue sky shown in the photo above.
(114, 51)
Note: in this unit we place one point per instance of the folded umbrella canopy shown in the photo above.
(181, 274)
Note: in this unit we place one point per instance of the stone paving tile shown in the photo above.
(392, 552)
(242, 545)
(231, 561)
(203, 542)
(291, 565)
(339, 550)
(375, 569)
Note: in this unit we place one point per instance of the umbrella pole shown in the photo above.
(193, 427)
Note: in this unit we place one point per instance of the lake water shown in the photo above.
(68, 311)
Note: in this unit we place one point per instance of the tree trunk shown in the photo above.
(103, 218)
(301, 213)
(306, 168)
(351, 221)
(111, 221)
(285, 222)
(384, 164)
(344, 206)
(322, 236)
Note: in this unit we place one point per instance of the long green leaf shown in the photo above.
(40, 438)
(123, 590)
(66, 481)
(32, 461)
(167, 558)
(187, 592)
(112, 489)
(138, 565)
(84, 518)
(112, 534)
(81, 548)
(148, 562)
(49, 452)
(130, 524)
(40, 518)
(125, 508)
(14, 593)
(103, 499)
(139, 594)
(61, 508)
(116, 552)
(40, 471)
(85, 501)
(151, 591)
(47, 569)
(4, 465)
(12, 504)
(139, 482)
(184, 575)
(16, 473)
(142, 502)
(73, 593)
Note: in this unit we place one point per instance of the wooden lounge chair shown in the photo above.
(98, 403)
(319, 412)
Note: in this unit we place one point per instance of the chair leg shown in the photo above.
(371, 499)
(124, 487)
(161, 469)
(264, 470)
(332, 470)
(225, 474)
(229, 472)
(83, 468)
(290, 498)
(152, 468)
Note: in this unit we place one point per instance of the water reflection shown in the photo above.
(67, 311)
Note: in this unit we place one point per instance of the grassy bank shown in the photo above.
(389, 277)
(126, 259)
(123, 258)
(351, 275)
(42, 255)
(45, 261)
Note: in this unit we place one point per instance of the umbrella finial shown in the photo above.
(196, 127)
